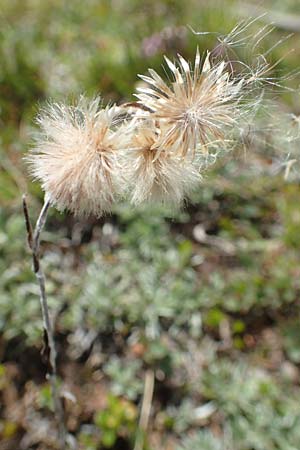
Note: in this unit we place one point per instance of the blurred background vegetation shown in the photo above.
(206, 301)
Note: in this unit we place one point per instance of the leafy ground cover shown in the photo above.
(205, 300)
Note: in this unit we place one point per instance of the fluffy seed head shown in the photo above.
(197, 109)
(156, 175)
(75, 157)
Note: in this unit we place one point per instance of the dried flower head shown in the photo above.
(76, 156)
(86, 155)
(156, 175)
(198, 109)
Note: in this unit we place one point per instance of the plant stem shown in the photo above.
(50, 348)
(145, 409)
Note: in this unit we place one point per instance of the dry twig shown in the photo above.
(33, 238)
(145, 410)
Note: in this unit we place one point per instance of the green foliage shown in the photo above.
(143, 286)
(45, 399)
(117, 419)
(140, 285)
(204, 440)
(125, 381)
(291, 339)
(142, 282)
(260, 413)
(19, 293)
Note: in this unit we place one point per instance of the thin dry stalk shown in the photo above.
(33, 238)
(145, 410)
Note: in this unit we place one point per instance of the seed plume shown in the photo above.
(76, 156)
(199, 109)
(156, 175)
